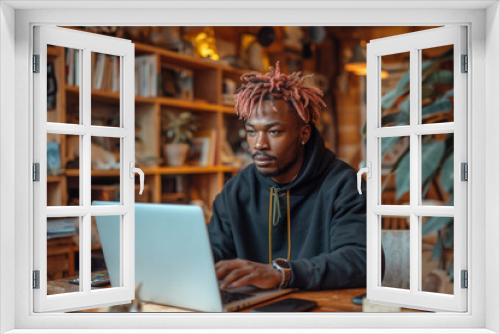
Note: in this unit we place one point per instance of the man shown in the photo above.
(293, 218)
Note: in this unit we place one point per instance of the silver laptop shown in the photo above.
(173, 260)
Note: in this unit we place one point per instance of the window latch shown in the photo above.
(135, 170)
(361, 171)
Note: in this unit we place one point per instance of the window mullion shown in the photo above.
(85, 171)
(415, 163)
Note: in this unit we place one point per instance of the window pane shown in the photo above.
(62, 255)
(437, 169)
(395, 170)
(395, 238)
(63, 153)
(105, 80)
(437, 84)
(106, 252)
(437, 254)
(63, 85)
(105, 169)
(395, 89)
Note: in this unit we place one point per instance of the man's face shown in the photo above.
(275, 139)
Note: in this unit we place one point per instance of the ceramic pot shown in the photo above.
(176, 154)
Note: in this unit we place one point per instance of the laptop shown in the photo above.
(173, 260)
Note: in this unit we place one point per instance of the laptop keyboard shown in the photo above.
(229, 297)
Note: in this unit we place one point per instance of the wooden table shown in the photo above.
(328, 300)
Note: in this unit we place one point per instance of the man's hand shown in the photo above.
(236, 273)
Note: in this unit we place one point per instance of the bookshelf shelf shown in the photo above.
(194, 105)
(206, 100)
(54, 178)
(176, 58)
(155, 171)
(187, 104)
(227, 109)
(194, 170)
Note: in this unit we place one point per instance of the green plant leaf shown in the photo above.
(448, 234)
(435, 224)
(401, 88)
(403, 176)
(404, 108)
(390, 119)
(446, 175)
(432, 153)
(440, 76)
(389, 98)
(388, 143)
(437, 251)
(441, 105)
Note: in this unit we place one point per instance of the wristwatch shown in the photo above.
(283, 266)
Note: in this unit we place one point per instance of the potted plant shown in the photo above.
(178, 132)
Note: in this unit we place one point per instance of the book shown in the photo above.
(146, 76)
(202, 151)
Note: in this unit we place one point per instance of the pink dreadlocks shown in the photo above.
(307, 101)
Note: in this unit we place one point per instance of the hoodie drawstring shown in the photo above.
(274, 216)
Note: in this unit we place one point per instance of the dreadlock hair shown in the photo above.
(307, 101)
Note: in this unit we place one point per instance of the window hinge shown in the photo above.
(464, 171)
(36, 279)
(465, 65)
(36, 63)
(464, 279)
(36, 172)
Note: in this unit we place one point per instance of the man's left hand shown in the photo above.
(237, 273)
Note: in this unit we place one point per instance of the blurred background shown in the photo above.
(189, 142)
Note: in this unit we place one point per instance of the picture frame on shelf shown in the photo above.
(202, 151)
(198, 154)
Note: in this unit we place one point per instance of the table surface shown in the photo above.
(328, 300)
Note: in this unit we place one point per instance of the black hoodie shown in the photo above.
(318, 221)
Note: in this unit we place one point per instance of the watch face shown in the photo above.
(282, 263)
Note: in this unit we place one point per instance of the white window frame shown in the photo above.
(17, 17)
(86, 43)
(413, 43)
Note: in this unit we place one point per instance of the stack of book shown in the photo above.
(72, 66)
(146, 76)
(105, 72)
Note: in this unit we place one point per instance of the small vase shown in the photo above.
(176, 154)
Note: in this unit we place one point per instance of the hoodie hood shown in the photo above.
(317, 221)
(317, 160)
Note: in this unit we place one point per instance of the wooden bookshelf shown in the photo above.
(207, 105)
(156, 171)
(110, 96)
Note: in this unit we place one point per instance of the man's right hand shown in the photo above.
(237, 273)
